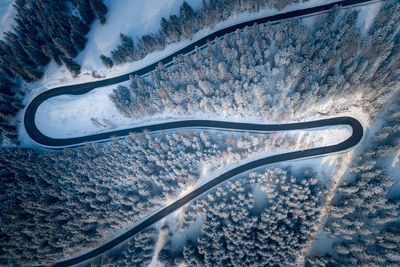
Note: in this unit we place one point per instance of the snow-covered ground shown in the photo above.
(56, 118)
(7, 14)
(367, 16)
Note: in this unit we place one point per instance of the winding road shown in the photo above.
(354, 139)
(79, 89)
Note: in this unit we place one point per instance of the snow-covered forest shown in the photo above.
(278, 73)
(69, 201)
(58, 204)
(237, 231)
(138, 251)
(267, 217)
(281, 73)
(24, 52)
(235, 234)
(183, 25)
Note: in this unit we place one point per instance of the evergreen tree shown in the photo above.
(107, 61)
(52, 52)
(99, 9)
(66, 47)
(73, 67)
(85, 10)
(186, 13)
(124, 51)
(78, 40)
(78, 25)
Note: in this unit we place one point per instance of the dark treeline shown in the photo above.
(44, 31)
(363, 216)
(278, 72)
(47, 30)
(184, 25)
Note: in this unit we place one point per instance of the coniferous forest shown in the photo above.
(44, 31)
(57, 204)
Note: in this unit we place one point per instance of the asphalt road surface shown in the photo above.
(79, 89)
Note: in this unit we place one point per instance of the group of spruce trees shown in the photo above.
(138, 251)
(298, 66)
(47, 30)
(278, 72)
(184, 25)
(364, 217)
(235, 233)
(44, 31)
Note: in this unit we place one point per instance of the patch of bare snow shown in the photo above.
(71, 115)
(179, 238)
(260, 198)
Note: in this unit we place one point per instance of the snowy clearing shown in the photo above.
(56, 118)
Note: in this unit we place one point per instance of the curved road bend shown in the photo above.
(79, 89)
(348, 143)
